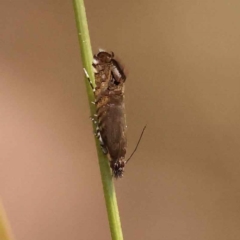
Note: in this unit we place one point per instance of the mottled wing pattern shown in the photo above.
(112, 126)
(109, 97)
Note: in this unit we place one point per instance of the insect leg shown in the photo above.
(99, 137)
(94, 120)
(89, 80)
(103, 147)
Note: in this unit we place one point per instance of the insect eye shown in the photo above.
(104, 57)
(116, 82)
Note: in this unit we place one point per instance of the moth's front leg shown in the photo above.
(89, 80)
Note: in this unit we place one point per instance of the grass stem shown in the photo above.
(107, 180)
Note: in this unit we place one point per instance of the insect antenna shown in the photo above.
(139, 140)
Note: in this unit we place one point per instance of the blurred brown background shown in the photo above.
(184, 82)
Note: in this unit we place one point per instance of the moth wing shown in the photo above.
(113, 131)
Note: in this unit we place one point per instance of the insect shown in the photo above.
(110, 109)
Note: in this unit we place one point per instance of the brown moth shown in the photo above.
(110, 109)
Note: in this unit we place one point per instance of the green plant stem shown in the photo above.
(107, 180)
(5, 233)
